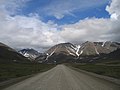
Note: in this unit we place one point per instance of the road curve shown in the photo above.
(63, 78)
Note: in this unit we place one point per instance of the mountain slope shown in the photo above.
(67, 52)
(8, 54)
(61, 52)
(115, 54)
(97, 48)
(65, 48)
(88, 48)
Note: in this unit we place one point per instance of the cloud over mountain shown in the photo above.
(30, 31)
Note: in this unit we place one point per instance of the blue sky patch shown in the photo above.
(58, 11)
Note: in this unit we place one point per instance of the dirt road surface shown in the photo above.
(62, 77)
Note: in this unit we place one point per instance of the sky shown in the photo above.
(40, 24)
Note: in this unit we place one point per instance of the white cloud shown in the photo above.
(23, 31)
(114, 8)
(114, 16)
(88, 29)
(29, 31)
(114, 11)
(94, 29)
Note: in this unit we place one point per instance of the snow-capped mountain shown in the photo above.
(97, 48)
(85, 49)
(112, 46)
(65, 48)
(63, 51)
(88, 48)
(59, 51)
(29, 53)
(93, 48)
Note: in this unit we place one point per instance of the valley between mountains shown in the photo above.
(50, 73)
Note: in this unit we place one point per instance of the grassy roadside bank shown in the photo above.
(101, 69)
(14, 70)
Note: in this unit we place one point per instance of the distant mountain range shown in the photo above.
(86, 52)
(29, 53)
(68, 52)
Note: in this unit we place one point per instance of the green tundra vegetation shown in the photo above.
(111, 69)
(13, 70)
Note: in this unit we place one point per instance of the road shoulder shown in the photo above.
(110, 79)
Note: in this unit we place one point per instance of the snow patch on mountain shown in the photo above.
(26, 54)
(73, 47)
(69, 48)
(96, 51)
(103, 44)
(77, 50)
(48, 55)
(70, 52)
(81, 52)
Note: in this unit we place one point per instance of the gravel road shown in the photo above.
(62, 77)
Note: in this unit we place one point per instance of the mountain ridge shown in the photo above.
(29, 53)
(68, 52)
(87, 50)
